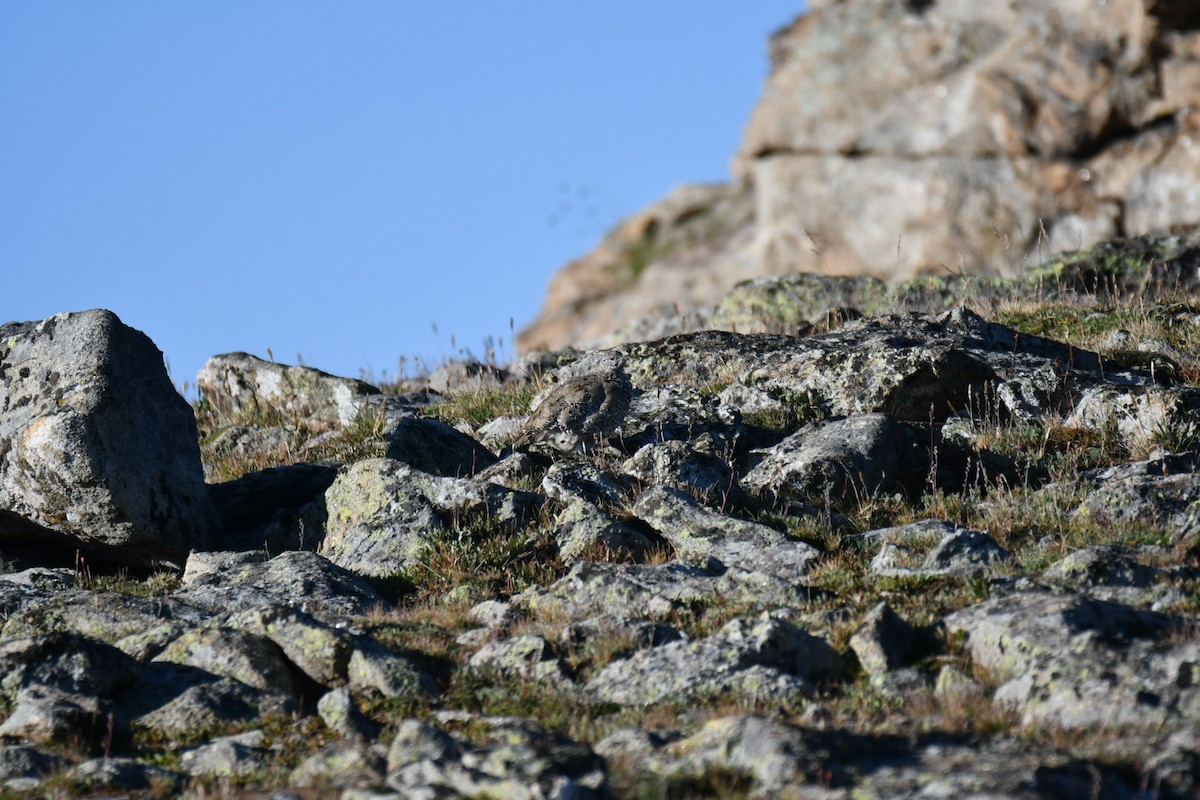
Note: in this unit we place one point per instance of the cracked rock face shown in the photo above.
(977, 138)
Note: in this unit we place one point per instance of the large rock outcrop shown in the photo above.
(899, 138)
(98, 450)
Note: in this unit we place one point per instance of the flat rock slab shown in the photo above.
(98, 451)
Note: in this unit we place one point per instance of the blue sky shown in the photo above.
(347, 183)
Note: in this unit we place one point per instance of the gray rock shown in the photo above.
(177, 701)
(772, 754)
(341, 715)
(509, 757)
(854, 457)
(22, 768)
(1159, 491)
(225, 582)
(1103, 565)
(677, 465)
(883, 642)
(67, 661)
(459, 377)
(1073, 662)
(41, 578)
(110, 773)
(433, 446)
(768, 659)
(267, 510)
(99, 452)
(583, 530)
(235, 654)
(342, 764)
(657, 592)
(226, 756)
(933, 548)
(45, 714)
(527, 657)
(236, 387)
(699, 534)
(493, 614)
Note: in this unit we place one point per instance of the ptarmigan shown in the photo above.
(582, 411)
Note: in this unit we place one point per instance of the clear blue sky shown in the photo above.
(332, 180)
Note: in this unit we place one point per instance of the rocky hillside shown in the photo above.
(938, 552)
(897, 138)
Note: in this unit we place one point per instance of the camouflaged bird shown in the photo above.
(582, 411)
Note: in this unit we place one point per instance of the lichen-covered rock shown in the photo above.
(379, 521)
(584, 530)
(698, 534)
(343, 764)
(570, 481)
(1078, 663)
(178, 701)
(319, 650)
(377, 668)
(234, 654)
(509, 757)
(858, 456)
(109, 773)
(226, 582)
(97, 449)
(933, 548)
(106, 616)
(680, 466)
(634, 591)
(529, 657)
(236, 387)
(883, 641)
(341, 715)
(240, 755)
(765, 660)
(1161, 491)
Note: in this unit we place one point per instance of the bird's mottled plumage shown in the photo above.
(581, 411)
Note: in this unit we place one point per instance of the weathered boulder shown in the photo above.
(98, 451)
(238, 387)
